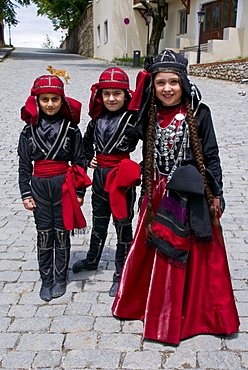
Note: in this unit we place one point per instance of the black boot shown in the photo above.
(45, 250)
(83, 265)
(62, 257)
(97, 240)
(114, 288)
(46, 293)
(58, 289)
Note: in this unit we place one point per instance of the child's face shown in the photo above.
(50, 103)
(168, 89)
(113, 99)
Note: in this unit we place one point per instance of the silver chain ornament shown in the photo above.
(171, 143)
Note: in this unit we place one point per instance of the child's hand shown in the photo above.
(29, 204)
(80, 201)
(93, 163)
(218, 210)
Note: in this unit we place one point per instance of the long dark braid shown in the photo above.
(194, 138)
(149, 160)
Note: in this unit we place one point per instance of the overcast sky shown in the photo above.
(32, 30)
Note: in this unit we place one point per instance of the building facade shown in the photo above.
(120, 28)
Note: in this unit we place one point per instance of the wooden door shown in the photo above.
(219, 14)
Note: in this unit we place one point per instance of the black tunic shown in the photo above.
(54, 138)
(111, 133)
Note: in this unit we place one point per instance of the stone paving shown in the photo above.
(77, 331)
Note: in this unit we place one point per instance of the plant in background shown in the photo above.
(48, 43)
(63, 14)
(7, 10)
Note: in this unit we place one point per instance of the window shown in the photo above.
(183, 21)
(98, 36)
(234, 12)
(216, 16)
(225, 14)
(105, 32)
(206, 23)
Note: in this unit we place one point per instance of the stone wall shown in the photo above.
(81, 38)
(235, 70)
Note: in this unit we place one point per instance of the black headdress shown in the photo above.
(166, 61)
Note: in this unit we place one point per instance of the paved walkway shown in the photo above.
(77, 331)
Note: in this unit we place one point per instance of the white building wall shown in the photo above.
(172, 38)
(136, 30)
(114, 11)
(102, 13)
(242, 22)
(234, 45)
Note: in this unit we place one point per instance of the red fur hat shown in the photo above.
(110, 78)
(49, 84)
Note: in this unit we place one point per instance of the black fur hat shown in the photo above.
(170, 61)
(167, 61)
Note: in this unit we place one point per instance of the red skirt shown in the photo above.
(177, 303)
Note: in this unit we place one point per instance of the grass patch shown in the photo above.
(130, 60)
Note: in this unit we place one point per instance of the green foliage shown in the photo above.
(48, 43)
(124, 59)
(129, 60)
(63, 14)
(7, 10)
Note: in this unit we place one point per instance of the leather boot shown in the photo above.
(83, 265)
(45, 252)
(61, 263)
(58, 289)
(114, 288)
(46, 293)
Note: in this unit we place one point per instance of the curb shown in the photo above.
(5, 52)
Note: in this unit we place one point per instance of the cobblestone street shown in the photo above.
(77, 330)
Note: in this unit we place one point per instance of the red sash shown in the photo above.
(110, 160)
(126, 174)
(50, 168)
(75, 178)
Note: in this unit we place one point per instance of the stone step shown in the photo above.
(204, 48)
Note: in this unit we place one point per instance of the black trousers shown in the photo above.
(101, 218)
(53, 241)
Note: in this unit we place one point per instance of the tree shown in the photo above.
(158, 16)
(7, 10)
(63, 14)
(48, 43)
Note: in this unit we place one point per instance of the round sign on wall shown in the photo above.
(126, 21)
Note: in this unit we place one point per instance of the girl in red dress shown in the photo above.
(176, 277)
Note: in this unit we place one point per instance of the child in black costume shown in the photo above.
(110, 136)
(50, 139)
(176, 277)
